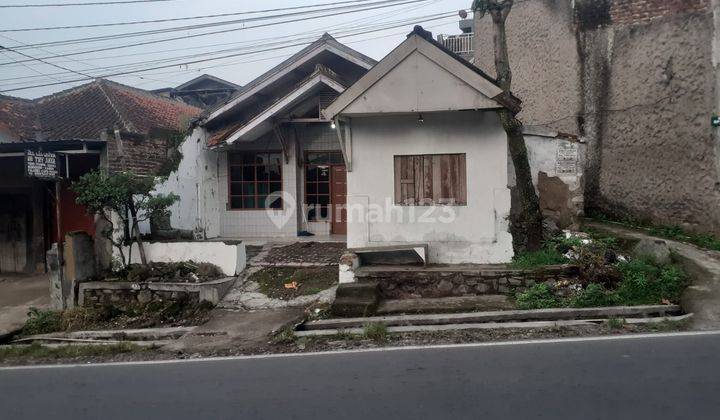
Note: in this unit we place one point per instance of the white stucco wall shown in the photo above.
(196, 182)
(478, 232)
(231, 258)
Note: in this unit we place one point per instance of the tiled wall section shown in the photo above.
(259, 223)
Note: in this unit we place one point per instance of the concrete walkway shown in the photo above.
(19, 293)
(702, 297)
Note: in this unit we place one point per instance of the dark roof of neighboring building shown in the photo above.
(325, 39)
(207, 77)
(83, 112)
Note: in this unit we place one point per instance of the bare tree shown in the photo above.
(528, 222)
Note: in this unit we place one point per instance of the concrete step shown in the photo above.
(446, 305)
(367, 290)
(354, 306)
(554, 314)
(405, 254)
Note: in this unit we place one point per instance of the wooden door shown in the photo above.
(14, 240)
(338, 199)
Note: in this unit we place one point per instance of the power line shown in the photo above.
(186, 63)
(43, 61)
(207, 25)
(218, 32)
(309, 36)
(375, 18)
(94, 3)
(140, 22)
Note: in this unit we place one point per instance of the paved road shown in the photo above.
(675, 377)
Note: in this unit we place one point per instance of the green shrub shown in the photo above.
(375, 331)
(593, 296)
(540, 296)
(615, 323)
(545, 256)
(43, 322)
(647, 284)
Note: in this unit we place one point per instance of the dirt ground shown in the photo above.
(19, 294)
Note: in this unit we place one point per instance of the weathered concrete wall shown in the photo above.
(475, 233)
(557, 166)
(231, 258)
(196, 182)
(657, 154)
(544, 58)
(635, 79)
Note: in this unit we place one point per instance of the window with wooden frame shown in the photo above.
(424, 180)
(317, 182)
(252, 176)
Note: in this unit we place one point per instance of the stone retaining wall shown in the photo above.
(437, 283)
(124, 294)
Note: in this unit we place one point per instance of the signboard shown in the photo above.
(567, 158)
(43, 165)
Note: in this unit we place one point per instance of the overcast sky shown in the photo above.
(279, 39)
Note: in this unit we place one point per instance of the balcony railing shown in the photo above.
(459, 44)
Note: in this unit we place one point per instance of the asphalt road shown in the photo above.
(664, 377)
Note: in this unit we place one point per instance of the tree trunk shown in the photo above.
(136, 229)
(529, 221)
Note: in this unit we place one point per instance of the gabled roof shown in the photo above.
(206, 77)
(323, 44)
(82, 112)
(262, 122)
(372, 93)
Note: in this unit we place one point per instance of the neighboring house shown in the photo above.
(97, 125)
(270, 139)
(461, 44)
(204, 91)
(638, 81)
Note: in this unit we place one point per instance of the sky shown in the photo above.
(249, 48)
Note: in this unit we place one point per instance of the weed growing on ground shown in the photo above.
(593, 296)
(540, 296)
(375, 331)
(616, 323)
(677, 233)
(549, 255)
(285, 336)
(37, 351)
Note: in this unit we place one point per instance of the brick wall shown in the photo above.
(623, 12)
(142, 156)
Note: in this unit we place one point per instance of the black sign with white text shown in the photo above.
(43, 165)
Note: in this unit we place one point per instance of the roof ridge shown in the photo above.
(127, 125)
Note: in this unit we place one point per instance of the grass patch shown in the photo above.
(616, 323)
(643, 283)
(540, 296)
(37, 351)
(547, 256)
(375, 331)
(284, 336)
(309, 281)
(153, 314)
(703, 240)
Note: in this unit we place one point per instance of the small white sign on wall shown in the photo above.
(567, 159)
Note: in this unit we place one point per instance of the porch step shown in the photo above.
(406, 254)
(445, 305)
(499, 316)
(355, 299)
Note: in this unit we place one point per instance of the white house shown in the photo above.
(406, 151)
(427, 155)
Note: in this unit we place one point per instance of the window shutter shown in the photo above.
(430, 179)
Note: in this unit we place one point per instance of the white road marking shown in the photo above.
(380, 349)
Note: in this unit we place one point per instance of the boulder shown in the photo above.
(656, 249)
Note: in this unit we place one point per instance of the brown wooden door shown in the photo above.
(14, 241)
(338, 199)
